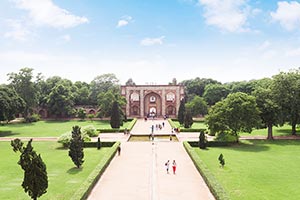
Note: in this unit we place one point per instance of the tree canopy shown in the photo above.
(286, 88)
(24, 85)
(35, 181)
(10, 103)
(238, 112)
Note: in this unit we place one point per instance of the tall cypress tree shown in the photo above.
(115, 119)
(188, 119)
(35, 174)
(181, 112)
(76, 147)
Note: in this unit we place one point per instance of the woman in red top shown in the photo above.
(174, 166)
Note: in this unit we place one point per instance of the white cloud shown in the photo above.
(45, 12)
(228, 15)
(124, 21)
(270, 54)
(18, 32)
(293, 52)
(152, 41)
(66, 38)
(287, 14)
(264, 45)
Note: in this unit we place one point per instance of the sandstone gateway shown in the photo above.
(152, 100)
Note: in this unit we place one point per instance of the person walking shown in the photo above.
(174, 166)
(167, 165)
(119, 150)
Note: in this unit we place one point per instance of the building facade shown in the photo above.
(152, 100)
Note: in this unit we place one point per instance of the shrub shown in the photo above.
(65, 138)
(226, 137)
(221, 160)
(33, 118)
(98, 143)
(202, 140)
(81, 113)
(91, 116)
(90, 130)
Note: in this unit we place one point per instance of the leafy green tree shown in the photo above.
(35, 181)
(188, 119)
(242, 86)
(269, 110)
(81, 94)
(115, 119)
(237, 112)
(106, 102)
(198, 106)
(76, 147)
(102, 84)
(196, 86)
(60, 101)
(286, 89)
(181, 112)
(24, 85)
(215, 92)
(10, 103)
(81, 113)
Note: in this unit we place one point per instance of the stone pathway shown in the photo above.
(139, 173)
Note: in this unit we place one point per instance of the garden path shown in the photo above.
(139, 172)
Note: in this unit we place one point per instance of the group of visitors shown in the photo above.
(167, 165)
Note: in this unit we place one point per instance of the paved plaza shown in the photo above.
(139, 172)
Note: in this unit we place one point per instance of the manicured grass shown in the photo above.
(257, 169)
(48, 128)
(277, 131)
(64, 178)
(285, 130)
(196, 125)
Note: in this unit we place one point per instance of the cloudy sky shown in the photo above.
(150, 41)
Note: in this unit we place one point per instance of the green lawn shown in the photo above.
(48, 128)
(277, 131)
(64, 179)
(196, 125)
(257, 169)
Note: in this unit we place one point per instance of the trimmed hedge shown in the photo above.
(118, 130)
(131, 124)
(214, 186)
(192, 130)
(94, 144)
(173, 125)
(213, 144)
(87, 186)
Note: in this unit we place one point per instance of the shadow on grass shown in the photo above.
(286, 132)
(8, 133)
(74, 170)
(62, 148)
(250, 146)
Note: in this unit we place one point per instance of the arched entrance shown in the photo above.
(153, 105)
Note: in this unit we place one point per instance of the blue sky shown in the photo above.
(150, 41)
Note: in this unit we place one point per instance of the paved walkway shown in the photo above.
(143, 127)
(139, 173)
